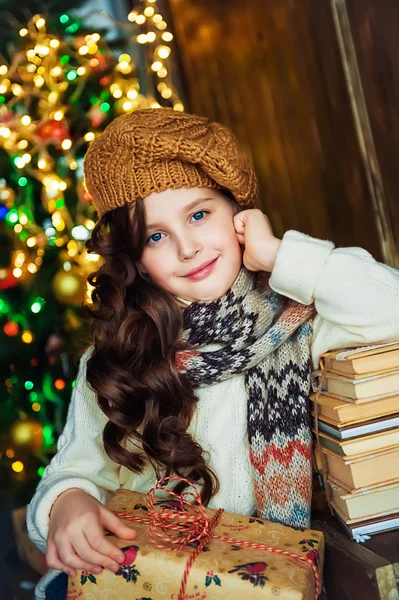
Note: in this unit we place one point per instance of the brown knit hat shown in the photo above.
(151, 150)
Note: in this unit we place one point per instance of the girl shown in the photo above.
(201, 360)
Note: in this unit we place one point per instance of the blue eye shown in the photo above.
(154, 238)
(199, 215)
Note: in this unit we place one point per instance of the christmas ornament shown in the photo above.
(51, 131)
(68, 287)
(28, 434)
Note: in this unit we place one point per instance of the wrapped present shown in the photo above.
(184, 551)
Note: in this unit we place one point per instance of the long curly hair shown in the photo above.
(135, 331)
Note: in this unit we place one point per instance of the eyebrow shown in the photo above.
(186, 209)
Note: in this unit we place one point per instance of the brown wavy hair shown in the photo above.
(135, 330)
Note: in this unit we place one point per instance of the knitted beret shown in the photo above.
(151, 150)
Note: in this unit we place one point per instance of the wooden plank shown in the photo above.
(271, 70)
(374, 28)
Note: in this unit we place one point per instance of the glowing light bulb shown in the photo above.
(26, 120)
(38, 81)
(127, 106)
(16, 89)
(17, 466)
(163, 52)
(32, 268)
(125, 58)
(19, 162)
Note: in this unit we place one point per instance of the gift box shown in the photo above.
(193, 553)
(27, 551)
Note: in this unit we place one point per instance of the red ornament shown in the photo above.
(11, 328)
(53, 131)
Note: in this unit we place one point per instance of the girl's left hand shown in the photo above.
(255, 234)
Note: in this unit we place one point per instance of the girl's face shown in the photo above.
(192, 250)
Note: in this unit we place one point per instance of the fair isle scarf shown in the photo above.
(267, 337)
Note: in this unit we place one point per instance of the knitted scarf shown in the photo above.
(267, 337)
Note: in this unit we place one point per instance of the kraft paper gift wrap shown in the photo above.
(221, 570)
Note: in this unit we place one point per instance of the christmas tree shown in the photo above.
(60, 85)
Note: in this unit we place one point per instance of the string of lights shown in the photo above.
(58, 91)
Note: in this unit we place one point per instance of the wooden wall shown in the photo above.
(273, 71)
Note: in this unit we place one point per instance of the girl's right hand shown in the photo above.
(76, 537)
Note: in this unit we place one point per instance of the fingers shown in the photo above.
(116, 526)
(97, 549)
(69, 561)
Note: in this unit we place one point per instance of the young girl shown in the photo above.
(201, 360)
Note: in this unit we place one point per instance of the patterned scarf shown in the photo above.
(267, 337)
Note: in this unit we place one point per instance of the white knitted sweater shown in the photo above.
(357, 302)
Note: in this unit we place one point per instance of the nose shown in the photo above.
(188, 247)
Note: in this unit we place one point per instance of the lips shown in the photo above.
(202, 271)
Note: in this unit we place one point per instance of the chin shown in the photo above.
(209, 292)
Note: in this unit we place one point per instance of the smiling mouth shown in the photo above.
(202, 271)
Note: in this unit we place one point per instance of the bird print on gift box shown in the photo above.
(253, 572)
(128, 569)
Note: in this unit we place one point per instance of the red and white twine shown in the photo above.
(192, 524)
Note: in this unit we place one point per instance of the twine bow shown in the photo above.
(190, 523)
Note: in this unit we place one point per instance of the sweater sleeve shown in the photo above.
(356, 297)
(80, 461)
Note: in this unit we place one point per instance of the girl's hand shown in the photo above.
(76, 537)
(255, 234)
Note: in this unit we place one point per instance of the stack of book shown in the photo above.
(358, 431)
